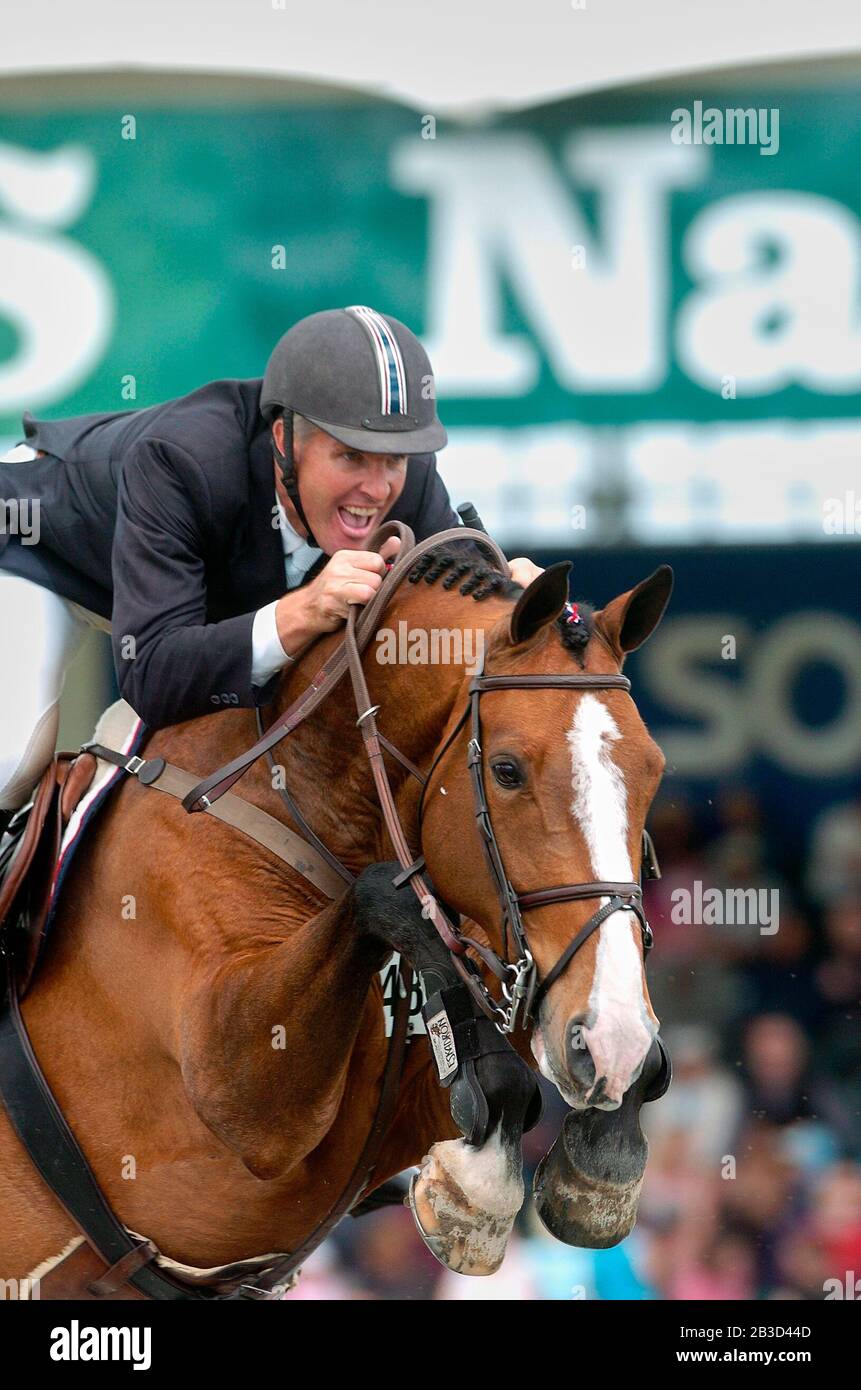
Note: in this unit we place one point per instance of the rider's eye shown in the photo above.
(507, 773)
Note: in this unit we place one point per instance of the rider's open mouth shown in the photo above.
(357, 521)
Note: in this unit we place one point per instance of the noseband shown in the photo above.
(519, 978)
(520, 985)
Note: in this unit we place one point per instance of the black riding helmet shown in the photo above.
(361, 376)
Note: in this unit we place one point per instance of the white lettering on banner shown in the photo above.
(500, 213)
(791, 318)
(800, 640)
(675, 675)
(54, 292)
(739, 718)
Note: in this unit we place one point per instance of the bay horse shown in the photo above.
(181, 949)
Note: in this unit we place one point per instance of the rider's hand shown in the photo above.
(351, 576)
(523, 571)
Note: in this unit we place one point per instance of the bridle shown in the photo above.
(34, 1110)
(520, 984)
(518, 978)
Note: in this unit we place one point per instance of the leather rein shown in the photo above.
(32, 1107)
(518, 979)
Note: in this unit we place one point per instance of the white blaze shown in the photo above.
(622, 1031)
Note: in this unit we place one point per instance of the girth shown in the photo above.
(132, 1258)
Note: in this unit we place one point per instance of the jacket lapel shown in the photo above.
(259, 558)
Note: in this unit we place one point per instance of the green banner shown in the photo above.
(586, 266)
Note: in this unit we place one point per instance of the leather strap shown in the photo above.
(431, 909)
(257, 824)
(595, 921)
(568, 892)
(119, 1273)
(296, 811)
(53, 1149)
(583, 680)
(333, 670)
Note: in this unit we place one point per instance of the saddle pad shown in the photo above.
(119, 727)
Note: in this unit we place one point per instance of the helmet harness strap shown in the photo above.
(289, 478)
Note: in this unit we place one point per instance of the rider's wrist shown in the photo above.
(296, 623)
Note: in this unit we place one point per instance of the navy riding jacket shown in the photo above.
(161, 520)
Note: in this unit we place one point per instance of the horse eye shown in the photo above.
(507, 773)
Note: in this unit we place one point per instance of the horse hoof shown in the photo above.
(463, 1239)
(435, 1244)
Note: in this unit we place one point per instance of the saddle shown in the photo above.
(29, 860)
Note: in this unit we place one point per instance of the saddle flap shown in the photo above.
(78, 781)
(26, 889)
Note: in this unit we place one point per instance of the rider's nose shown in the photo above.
(376, 486)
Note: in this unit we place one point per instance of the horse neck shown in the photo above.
(326, 766)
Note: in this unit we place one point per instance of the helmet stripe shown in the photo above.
(390, 364)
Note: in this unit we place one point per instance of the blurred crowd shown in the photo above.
(753, 1185)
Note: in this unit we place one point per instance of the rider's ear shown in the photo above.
(540, 603)
(632, 617)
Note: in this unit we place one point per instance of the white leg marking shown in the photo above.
(483, 1175)
(466, 1202)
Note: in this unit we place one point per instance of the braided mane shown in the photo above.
(466, 566)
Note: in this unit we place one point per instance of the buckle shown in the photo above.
(134, 765)
(522, 987)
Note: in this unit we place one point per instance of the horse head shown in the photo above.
(569, 775)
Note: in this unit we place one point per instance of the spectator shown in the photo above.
(834, 866)
(781, 1084)
(704, 1101)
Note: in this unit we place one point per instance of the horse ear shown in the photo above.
(540, 603)
(632, 617)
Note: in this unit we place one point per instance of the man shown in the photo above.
(217, 535)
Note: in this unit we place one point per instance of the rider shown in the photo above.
(169, 528)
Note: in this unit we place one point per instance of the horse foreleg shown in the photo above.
(469, 1190)
(467, 1195)
(258, 1068)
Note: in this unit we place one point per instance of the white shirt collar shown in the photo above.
(290, 538)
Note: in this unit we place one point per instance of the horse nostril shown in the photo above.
(580, 1064)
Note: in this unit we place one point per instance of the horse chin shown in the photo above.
(571, 1093)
